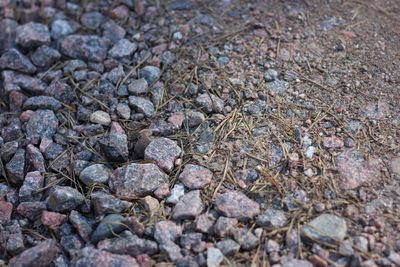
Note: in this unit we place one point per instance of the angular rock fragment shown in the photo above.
(95, 174)
(64, 199)
(138, 87)
(137, 180)
(326, 228)
(112, 224)
(42, 123)
(40, 255)
(195, 176)
(115, 147)
(82, 225)
(228, 247)
(33, 181)
(272, 218)
(132, 246)
(93, 257)
(122, 49)
(14, 60)
(15, 167)
(42, 102)
(164, 151)
(235, 204)
(5, 211)
(214, 257)
(104, 203)
(31, 210)
(32, 34)
(188, 207)
(150, 74)
(85, 47)
(45, 56)
(210, 103)
(142, 105)
(53, 220)
(100, 117)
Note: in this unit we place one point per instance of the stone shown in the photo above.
(395, 166)
(15, 167)
(214, 257)
(332, 142)
(40, 255)
(166, 231)
(228, 247)
(326, 228)
(111, 224)
(112, 31)
(162, 191)
(13, 59)
(277, 86)
(53, 220)
(162, 128)
(64, 199)
(246, 239)
(61, 91)
(164, 151)
(190, 240)
(225, 226)
(115, 147)
(188, 207)
(138, 87)
(42, 123)
(93, 257)
(33, 181)
(15, 244)
(7, 34)
(132, 246)
(150, 203)
(354, 170)
(5, 211)
(235, 204)
(172, 250)
(204, 222)
(61, 27)
(270, 75)
(124, 111)
(45, 56)
(142, 105)
(272, 218)
(30, 84)
(7, 150)
(167, 58)
(247, 176)
(150, 74)
(32, 34)
(195, 176)
(104, 203)
(85, 47)
(31, 210)
(122, 49)
(291, 262)
(177, 119)
(92, 20)
(176, 193)
(210, 103)
(137, 180)
(100, 117)
(42, 102)
(82, 225)
(95, 174)
(181, 5)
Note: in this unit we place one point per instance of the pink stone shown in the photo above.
(332, 142)
(162, 191)
(5, 211)
(53, 220)
(150, 203)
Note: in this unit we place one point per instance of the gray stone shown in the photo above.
(60, 28)
(45, 56)
(291, 262)
(15, 167)
(95, 174)
(137, 180)
(42, 123)
(93, 257)
(112, 224)
(14, 60)
(270, 75)
(122, 49)
(166, 231)
(176, 193)
(33, 181)
(115, 147)
(272, 218)
(164, 151)
(100, 117)
(246, 239)
(86, 47)
(32, 34)
(210, 103)
(150, 74)
(142, 105)
(277, 86)
(82, 225)
(92, 20)
(228, 247)
(214, 257)
(104, 203)
(195, 176)
(40, 255)
(124, 111)
(326, 228)
(193, 118)
(64, 199)
(42, 102)
(137, 87)
(188, 207)
(133, 246)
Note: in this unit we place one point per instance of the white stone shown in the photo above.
(100, 117)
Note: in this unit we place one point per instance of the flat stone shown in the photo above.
(85, 47)
(133, 246)
(214, 257)
(326, 228)
(100, 117)
(32, 182)
(64, 199)
(354, 170)
(137, 180)
(150, 74)
(122, 49)
(195, 176)
(164, 151)
(14, 60)
(93, 257)
(142, 105)
(53, 220)
(272, 218)
(32, 34)
(235, 204)
(112, 224)
(188, 207)
(40, 255)
(104, 203)
(95, 174)
(115, 147)
(42, 102)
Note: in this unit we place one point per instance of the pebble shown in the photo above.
(137, 180)
(14, 60)
(138, 87)
(61, 27)
(124, 111)
(45, 56)
(210, 103)
(193, 118)
(195, 176)
(214, 257)
(188, 207)
(53, 220)
(150, 74)
(395, 166)
(270, 75)
(132, 246)
(64, 199)
(309, 153)
(31, 210)
(32, 182)
(277, 86)
(235, 204)
(42, 102)
(246, 239)
(104, 203)
(176, 193)
(5, 211)
(272, 218)
(32, 34)
(122, 49)
(150, 203)
(166, 231)
(228, 247)
(42, 123)
(291, 262)
(92, 20)
(142, 105)
(100, 117)
(110, 226)
(332, 142)
(326, 228)
(89, 256)
(85, 47)
(16, 166)
(164, 151)
(224, 226)
(40, 255)
(115, 147)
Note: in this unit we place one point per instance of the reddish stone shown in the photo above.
(162, 191)
(150, 203)
(5, 211)
(93, 257)
(120, 12)
(53, 220)
(195, 176)
(332, 142)
(36, 158)
(26, 115)
(204, 223)
(40, 255)
(16, 100)
(164, 151)
(176, 119)
(235, 204)
(31, 210)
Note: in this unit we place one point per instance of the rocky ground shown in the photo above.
(200, 133)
